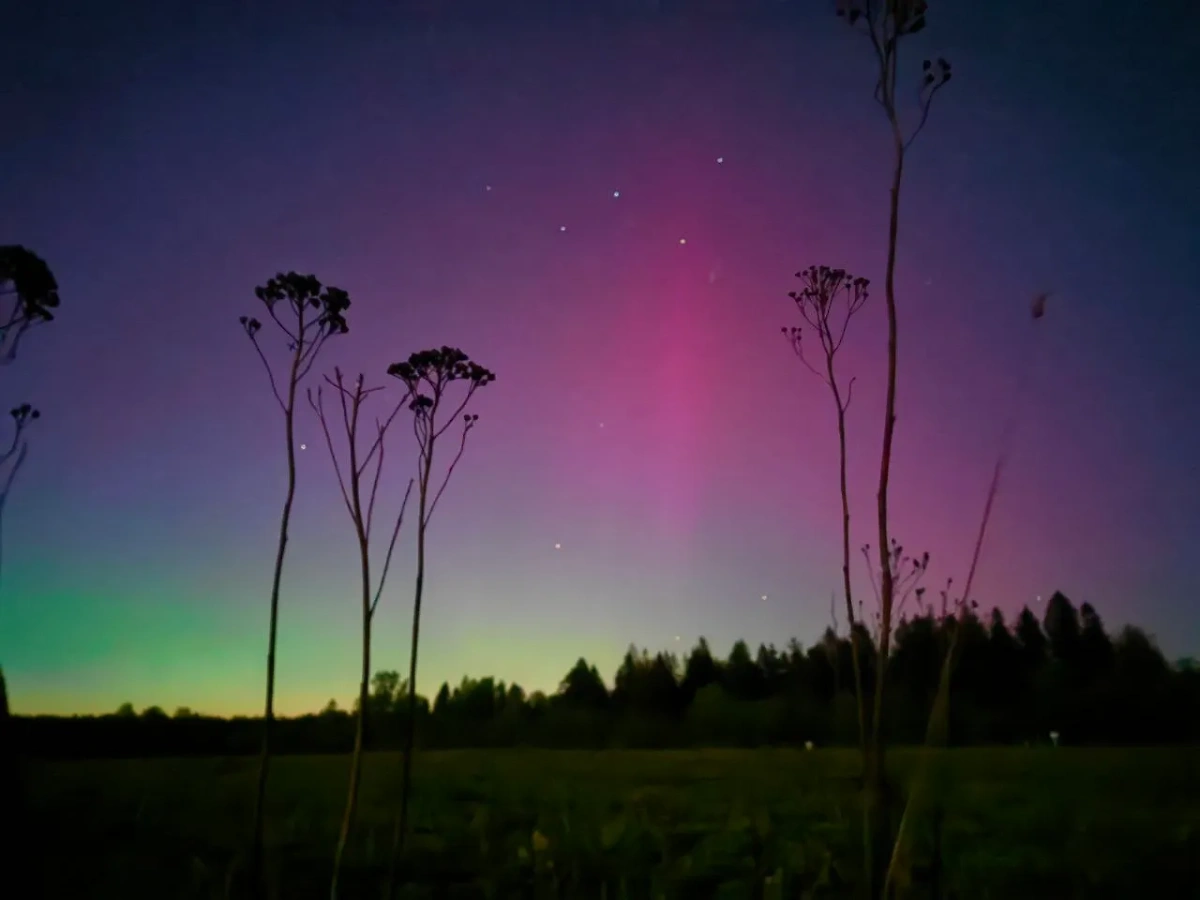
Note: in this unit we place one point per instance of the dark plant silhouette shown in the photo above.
(351, 477)
(28, 297)
(827, 301)
(308, 313)
(12, 794)
(921, 797)
(885, 23)
(11, 460)
(29, 290)
(430, 377)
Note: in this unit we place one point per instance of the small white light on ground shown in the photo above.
(808, 745)
(1054, 738)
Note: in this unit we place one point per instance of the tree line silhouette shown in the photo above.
(1014, 685)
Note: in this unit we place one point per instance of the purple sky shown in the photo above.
(647, 414)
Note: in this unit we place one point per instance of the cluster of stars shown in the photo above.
(562, 228)
(616, 194)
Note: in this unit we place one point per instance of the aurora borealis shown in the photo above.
(646, 416)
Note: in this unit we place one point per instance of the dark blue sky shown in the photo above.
(165, 158)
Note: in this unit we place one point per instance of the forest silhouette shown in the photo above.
(1015, 685)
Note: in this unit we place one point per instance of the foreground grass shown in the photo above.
(691, 824)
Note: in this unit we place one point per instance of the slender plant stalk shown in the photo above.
(285, 518)
(823, 288)
(855, 652)
(875, 775)
(401, 827)
(886, 22)
(937, 730)
(434, 371)
(12, 784)
(319, 314)
(364, 560)
(28, 282)
(351, 486)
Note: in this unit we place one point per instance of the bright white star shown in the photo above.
(720, 159)
(616, 193)
(562, 227)
(304, 446)
(558, 546)
(683, 240)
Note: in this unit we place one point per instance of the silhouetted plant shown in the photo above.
(308, 313)
(827, 301)
(954, 609)
(28, 283)
(429, 376)
(28, 297)
(11, 460)
(885, 22)
(357, 469)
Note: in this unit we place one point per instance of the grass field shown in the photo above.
(622, 824)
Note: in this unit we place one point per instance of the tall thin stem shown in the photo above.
(401, 827)
(351, 487)
(855, 650)
(826, 290)
(364, 561)
(319, 314)
(435, 371)
(285, 518)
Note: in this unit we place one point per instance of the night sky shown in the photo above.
(647, 414)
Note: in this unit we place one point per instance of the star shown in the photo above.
(487, 187)
(562, 227)
(304, 446)
(721, 160)
(616, 194)
(764, 597)
(601, 424)
(683, 240)
(558, 546)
